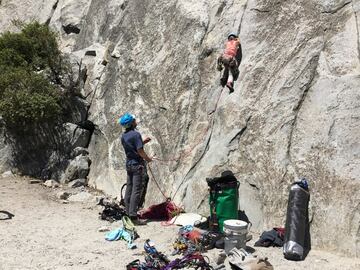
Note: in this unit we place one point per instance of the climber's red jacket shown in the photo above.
(231, 47)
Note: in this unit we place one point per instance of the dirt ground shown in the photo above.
(47, 234)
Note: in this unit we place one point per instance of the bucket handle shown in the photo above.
(249, 226)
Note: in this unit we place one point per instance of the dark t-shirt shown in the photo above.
(131, 141)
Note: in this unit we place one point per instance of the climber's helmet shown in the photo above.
(232, 35)
(126, 120)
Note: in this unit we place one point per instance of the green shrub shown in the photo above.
(31, 67)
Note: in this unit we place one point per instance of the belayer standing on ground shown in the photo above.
(230, 60)
(135, 165)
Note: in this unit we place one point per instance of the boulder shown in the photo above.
(78, 169)
(77, 136)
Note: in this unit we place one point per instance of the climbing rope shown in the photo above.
(157, 184)
(182, 155)
(177, 209)
(185, 154)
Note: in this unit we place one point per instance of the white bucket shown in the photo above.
(235, 234)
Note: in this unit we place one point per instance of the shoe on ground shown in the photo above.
(230, 86)
(138, 222)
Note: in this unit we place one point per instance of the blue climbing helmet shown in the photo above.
(232, 34)
(126, 120)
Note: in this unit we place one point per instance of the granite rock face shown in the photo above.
(295, 111)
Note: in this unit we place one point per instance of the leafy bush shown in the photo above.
(31, 68)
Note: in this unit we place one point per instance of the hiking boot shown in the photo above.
(230, 85)
(138, 222)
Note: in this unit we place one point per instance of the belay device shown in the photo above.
(297, 231)
(223, 200)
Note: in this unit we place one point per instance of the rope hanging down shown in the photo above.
(185, 154)
(182, 155)
(157, 184)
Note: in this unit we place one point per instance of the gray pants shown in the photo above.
(134, 186)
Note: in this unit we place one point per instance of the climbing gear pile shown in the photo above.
(112, 211)
(153, 257)
(194, 260)
(192, 240)
(154, 260)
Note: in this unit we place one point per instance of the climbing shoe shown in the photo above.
(222, 82)
(138, 222)
(230, 85)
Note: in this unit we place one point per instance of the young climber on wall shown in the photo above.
(230, 60)
(135, 165)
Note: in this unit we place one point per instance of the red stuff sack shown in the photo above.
(163, 211)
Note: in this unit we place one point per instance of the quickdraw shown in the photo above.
(195, 260)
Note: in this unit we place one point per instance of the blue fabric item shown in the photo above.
(121, 234)
(187, 228)
(126, 120)
(131, 141)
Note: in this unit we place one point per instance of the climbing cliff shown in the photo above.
(295, 111)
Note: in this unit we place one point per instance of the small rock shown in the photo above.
(35, 181)
(103, 229)
(81, 197)
(77, 183)
(115, 54)
(62, 195)
(7, 174)
(64, 202)
(51, 184)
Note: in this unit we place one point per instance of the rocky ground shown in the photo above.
(46, 233)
